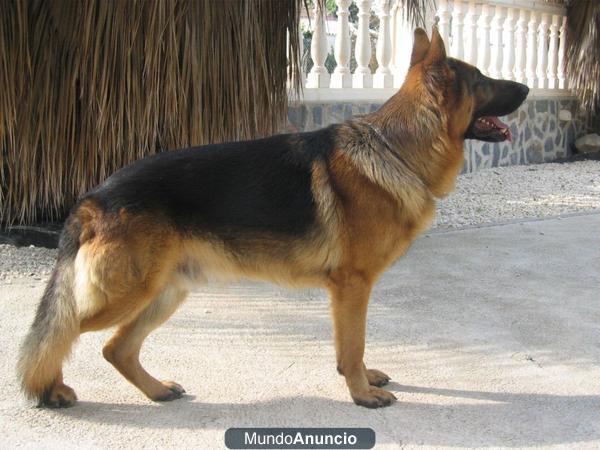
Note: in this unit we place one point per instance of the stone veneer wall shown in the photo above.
(538, 134)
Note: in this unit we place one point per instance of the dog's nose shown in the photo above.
(524, 89)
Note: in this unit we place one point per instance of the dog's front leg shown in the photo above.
(349, 301)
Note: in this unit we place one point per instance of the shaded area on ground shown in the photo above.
(579, 156)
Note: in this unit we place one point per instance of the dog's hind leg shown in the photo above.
(349, 301)
(123, 349)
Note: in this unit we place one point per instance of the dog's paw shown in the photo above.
(374, 397)
(58, 396)
(171, 391)
(377, 378)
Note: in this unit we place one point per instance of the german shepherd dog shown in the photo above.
(331, 208)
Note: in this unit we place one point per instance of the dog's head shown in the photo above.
(473, 101)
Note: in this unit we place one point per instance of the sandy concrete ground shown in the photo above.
(492, 337)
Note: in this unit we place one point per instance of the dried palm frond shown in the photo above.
(414, 10)
(583, 52)
(91, 85)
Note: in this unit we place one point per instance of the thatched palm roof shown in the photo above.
(583, 51)
(88, 86)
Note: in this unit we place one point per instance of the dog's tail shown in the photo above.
(56, 324)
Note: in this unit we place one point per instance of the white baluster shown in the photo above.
(470, 34)
(444, 21)
(393, 33)
(508, 39)
(383, 77)
(402, 36)
(562, 84)
(496, 38)
(542, 52)
(483, 52)
(553, 53)
(341, 77)
(301, 47)
(362, 77)
(520, 46)
(318, 76)
(457, 48)
(532, 49)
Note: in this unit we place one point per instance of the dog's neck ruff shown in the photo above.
(380, 135)
(374, 156)
(420, 140)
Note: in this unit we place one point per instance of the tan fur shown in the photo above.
(122, 268)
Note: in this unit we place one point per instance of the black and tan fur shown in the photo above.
(331, 208)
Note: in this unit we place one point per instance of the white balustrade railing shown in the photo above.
(522, 40)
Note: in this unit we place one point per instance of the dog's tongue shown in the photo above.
(499, 124)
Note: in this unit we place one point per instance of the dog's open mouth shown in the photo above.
(491, 129)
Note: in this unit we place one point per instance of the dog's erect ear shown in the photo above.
(437, 50)
(420, 47)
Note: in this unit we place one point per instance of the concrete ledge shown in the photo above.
(380, 95)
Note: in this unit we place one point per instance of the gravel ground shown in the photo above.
(501, 194)
(33, 262)
(505, 194)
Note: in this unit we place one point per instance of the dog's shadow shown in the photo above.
(474, 419)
